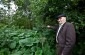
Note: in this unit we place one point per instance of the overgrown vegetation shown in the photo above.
(18, 41)
(25, 32)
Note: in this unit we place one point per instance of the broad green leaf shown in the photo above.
(13, 45)
(36, 40)
(26, 42)
(38, 52)
(17, 53)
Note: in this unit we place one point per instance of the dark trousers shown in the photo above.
(60, 49)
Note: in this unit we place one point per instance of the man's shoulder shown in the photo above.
(68, 23)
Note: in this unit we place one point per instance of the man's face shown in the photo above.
(61, 20)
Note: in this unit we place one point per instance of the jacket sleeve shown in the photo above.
(54, 28)
(70, 39)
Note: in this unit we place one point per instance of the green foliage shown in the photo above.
(14, 40)
(34, 14)
(18, 41)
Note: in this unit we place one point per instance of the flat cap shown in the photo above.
(60, 15)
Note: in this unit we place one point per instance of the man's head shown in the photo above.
(61, 18)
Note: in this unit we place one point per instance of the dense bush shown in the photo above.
(15, 41)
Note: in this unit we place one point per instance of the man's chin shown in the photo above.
(60, 23)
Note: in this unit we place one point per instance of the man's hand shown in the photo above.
(48, 26)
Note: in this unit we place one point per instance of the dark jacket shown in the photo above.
(66, 38)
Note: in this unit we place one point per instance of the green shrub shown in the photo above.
(18, 41)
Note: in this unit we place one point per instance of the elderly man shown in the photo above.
(65, 35)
